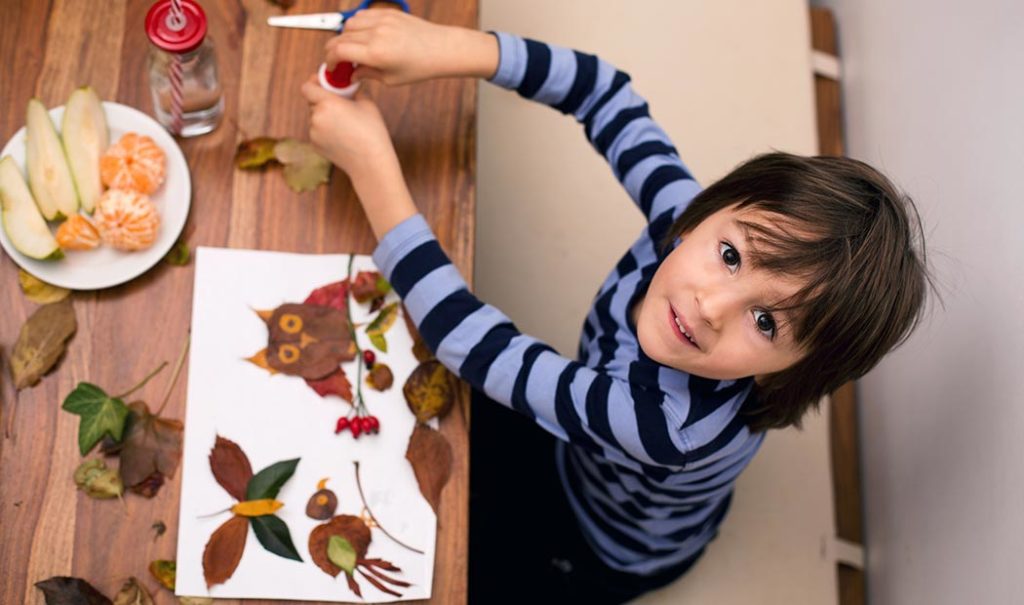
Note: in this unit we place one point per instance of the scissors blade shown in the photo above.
(326, 21)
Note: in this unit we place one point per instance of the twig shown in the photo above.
(359, 485)
(143, 383)
(174, 377)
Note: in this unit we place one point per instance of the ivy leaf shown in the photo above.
(179, 254)
(224, 550)
(341, 553)
(151, 445)
(266, 483)
(230, 467)
(41, 342)
(381, 324)
(304, 168)
(100, 415)
(165, 572)
(39, 291)
(255, 153)
(274, 536)
(63, 590)
(133, 593)
(431, 459)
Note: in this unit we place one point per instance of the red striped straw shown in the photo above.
(176, 21)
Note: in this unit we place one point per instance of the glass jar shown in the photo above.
(182, 45)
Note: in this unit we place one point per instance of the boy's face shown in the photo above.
(707, 285)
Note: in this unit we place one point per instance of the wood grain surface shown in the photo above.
(50, 47)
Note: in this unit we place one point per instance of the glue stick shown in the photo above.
(339, 80)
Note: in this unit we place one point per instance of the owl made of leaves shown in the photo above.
(310, 341)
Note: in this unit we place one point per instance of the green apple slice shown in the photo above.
(21, 218)
(48, 172)
(84, 130)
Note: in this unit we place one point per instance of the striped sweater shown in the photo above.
(647, 454)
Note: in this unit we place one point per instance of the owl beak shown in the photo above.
(306, 339)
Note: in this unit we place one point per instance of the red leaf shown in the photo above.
(431, 459)
(230, 467)
(335, 383)
(332, 295)
(224, 550)
(368, 285)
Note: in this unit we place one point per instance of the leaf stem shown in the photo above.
(143, 383)
(359, 405)
(359, 485)
(174, 377)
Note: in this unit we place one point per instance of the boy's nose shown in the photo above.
(714, 305)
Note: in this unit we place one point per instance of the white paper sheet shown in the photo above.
(278, 417)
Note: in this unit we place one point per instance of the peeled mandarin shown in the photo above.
(77, 233)
(127, 220)
(135, 162)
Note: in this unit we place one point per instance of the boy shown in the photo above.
(735, 311)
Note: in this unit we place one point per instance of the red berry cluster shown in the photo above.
(358, 425)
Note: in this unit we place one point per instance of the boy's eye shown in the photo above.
(730, 255)
(765, 323)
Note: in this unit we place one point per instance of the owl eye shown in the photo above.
(290, 323)
(288, 353)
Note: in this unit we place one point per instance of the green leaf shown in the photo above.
(382, 285)
(179, 254)
(341, 553)
(304, 168)
(265, 484)
(100, 415)
(381, 324)
(274, 536)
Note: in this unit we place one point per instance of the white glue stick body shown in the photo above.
(339, 80)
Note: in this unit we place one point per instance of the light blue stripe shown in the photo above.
(399, 241)
(560, 77)
(623, 98)
(511, 60)
(467, 334)
(431, 289)
(602, 82)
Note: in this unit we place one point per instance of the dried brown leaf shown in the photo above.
(39, 291)
(431, 459)
(304, 168)
(230, 467)
(224, 550)
(41, 342)
(133, 593)
(63, 590)
(380, 377)
(349, 527)
(419, 348)
(149, 486)
(430, 390)
(165, 572)
(255, 153)
(152, 445)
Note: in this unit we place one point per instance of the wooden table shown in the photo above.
(50, 48)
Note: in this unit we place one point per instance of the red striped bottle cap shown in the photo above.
(173, 37)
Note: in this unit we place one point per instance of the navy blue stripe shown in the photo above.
(626, 264)
(565, 410)
(633, 156)
(618, 81)
(622, 119)
(582, 85)
(705, 399)
(416, 264)
(447, 314)
(538, 64)
(519, 401)
(721, 440)
(606, 342)
(597, 409)
(478, 362)
(662, 176)
(627, 506)
(658, 228)
(650, 418)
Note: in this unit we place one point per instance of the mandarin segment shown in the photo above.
(127, 220)
(135, 162)
(77, 233)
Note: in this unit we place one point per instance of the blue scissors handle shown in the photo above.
(346, 15)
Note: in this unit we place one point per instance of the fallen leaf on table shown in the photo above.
(160, 528)
(255, 153)
(39, 291)
(380, 377)
(149, 486)
(151, 445)
(430, 390)
(97, 481)
(285, 4)
(224, 550)
(230, 467)
(41, 342)
(165, 572)
(179, 254)
(369, 285)
(100, 415)
(304, 168)
(133, 593)
(195, 601)
(63, 590)
(431, 459)
(381, 324)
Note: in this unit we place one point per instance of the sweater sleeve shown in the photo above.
(481, 345)
(616, 120)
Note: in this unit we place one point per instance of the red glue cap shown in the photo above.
(341, 75)
(173, 37)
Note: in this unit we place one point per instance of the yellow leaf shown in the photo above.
(257, 508)
(39, 291)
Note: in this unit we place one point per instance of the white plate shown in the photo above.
(104, 266)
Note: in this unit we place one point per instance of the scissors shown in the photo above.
(334, 22)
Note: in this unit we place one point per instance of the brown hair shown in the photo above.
(853, 238)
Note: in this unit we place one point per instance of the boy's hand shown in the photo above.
(398, 48)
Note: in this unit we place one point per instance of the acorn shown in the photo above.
(323, 503)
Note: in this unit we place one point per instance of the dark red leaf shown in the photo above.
(62, 590)
(332, 295)
(335, 383)
(431, 459)
(230, 467)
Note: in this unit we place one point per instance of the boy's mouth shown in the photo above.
(680, 328)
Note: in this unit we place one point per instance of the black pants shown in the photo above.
(524, 544)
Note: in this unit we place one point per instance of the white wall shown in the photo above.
(726, 79)
(934, 93)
